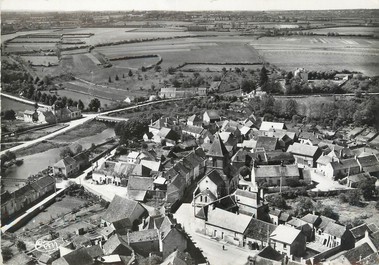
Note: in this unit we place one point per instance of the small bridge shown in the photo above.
(110, 119)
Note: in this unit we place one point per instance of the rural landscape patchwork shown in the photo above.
(190, 137)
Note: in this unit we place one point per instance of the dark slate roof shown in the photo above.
(43, 183)
(344, 164)
(217, 148)
(368, 161)
(278, 156)
(335, 229)
(270, 253)
(312, 219)
(259, 230)
(114, 242)
(215, 177)
(95, 251)
(120, 208)
(268, 143)
(359, 231)
(140, 183)
(356, 254)
(79, 256)
(375, 239)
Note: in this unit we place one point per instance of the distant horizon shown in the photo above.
(153, 10)
(184, 6)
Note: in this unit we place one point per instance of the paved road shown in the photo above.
(30, 102)
(211, 248)
(71, 125)
(75, 123)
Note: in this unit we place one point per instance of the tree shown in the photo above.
(109, 80)
(7, 253)
(8, 156)
(21, 246)
(94, 105)
(277, 200)
(9, 115)
(353, 197)
(247, 86)
(143, 69)
(305, 206)
(330, 213)
(131, 130)
(130, 73)
(263, 77)
(80, 105)
(65, 152)
(367, 188)
(116, 78)
(291, 108)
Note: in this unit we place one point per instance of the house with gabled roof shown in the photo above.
(123, 214)
(369, 164)
(144, 242)
(170, 137)
(139, 187)
(268, 125)
(288, 240)
(194, 120)
(171, 235)
(334, 235)
(117, 244)
(30, 116)
(211, 116)
(258, 233)
(66, 167)
(267, 143)
(275, 175)
(78, 256)
(209, 188)
(305, 155)
(251, 203)
(342, 167)
(227, 226)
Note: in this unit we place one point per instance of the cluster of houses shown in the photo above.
(126, 233)
(52, 115)
(70, 166)
(229, 162)
(21, 199)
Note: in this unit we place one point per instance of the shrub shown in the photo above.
(277, 200)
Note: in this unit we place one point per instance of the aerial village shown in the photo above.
(228, 186)
(137, 137)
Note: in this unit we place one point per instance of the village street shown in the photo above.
(211, 248)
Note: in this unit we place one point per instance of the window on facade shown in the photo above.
(201, 198)
(205, 198)
(284, 246)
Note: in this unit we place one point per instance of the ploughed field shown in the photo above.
(321, 53)
(98, 66)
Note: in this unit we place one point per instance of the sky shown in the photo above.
(185, 5)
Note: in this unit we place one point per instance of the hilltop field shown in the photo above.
(115, 63)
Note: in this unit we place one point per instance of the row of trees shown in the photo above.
(342, 112)
(130, 74)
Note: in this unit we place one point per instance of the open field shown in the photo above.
(176, 52)
(28, 47)
(41, 60)
(83, 96)
(135, 63)
(7, 104)
(106, 35)
(321, 53)
(348, 30)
